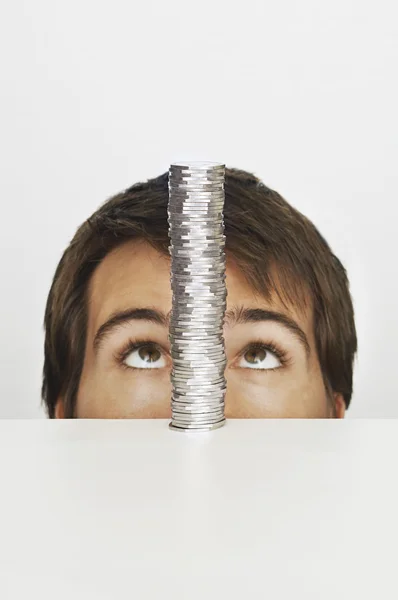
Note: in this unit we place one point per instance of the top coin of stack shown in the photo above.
(197, 242)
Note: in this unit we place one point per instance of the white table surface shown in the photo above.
(258, 509)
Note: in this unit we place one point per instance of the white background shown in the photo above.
(98, 95)
(122, 509)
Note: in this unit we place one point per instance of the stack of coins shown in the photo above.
(196, 230)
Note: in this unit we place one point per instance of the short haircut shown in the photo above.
(277, 248)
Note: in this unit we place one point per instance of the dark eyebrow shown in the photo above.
(120, 318)
(235, 316)
(241, 316)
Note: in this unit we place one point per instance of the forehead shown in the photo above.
(136, 275)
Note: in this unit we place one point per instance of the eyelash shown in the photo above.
(132, 345)
(271, 346)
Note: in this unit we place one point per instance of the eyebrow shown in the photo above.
(241, 316)
(235, 316)
(118, 319)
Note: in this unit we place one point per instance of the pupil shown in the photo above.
(255, 356)
(149, 354)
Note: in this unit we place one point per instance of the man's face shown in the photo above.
(272, 366)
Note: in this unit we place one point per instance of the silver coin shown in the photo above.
(196, 386)
(180, 172)
(181, 419)
(199, 245)
(200, 262)
(204, 292)
(209, 375)
(197, 279)
(185, 186)
(205, 345)
(175, 177)
(207, 382)
(198, 391)
(195, 408)
(211, 316)
(190, 201)
(198, 221)
(210, 207)
(211, 350)
(211, 410)
(195, 186)
(181, 327)
(193, 333)
(200, 280)
(198, 275)
(209, 175)
(206, 253)
(189, 286)
(176, 180)
(217, 400)
(214, 218)
(185, 205)
(206, 351)
(215, 230)
(190, 205)
(213, 321)
(198, 229)
(198, 306)
(183, 267)
(200, 405)
(196, 244)
(190, 407)
(197, 174)
(199, 340)
(197, 417)
(206, 257)
(203, 370)
(212, 413)
(199, 309)
(187, 366)
(194, 182)
(186, 282)
(198, 360)
(198, 313)
(197, 325)
(193, 428)
(197, 166)
(194, 289)
(196, 234)
(211, 404)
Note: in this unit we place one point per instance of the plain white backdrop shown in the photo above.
(98, 95)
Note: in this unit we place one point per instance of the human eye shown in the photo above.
(142, 355)
(261, 356)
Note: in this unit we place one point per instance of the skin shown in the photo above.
(135, 275)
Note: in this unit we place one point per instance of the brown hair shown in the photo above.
(277, 247)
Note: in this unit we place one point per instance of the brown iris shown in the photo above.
(149, 354)
(255, 355)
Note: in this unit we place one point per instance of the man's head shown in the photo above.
(289, 330)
